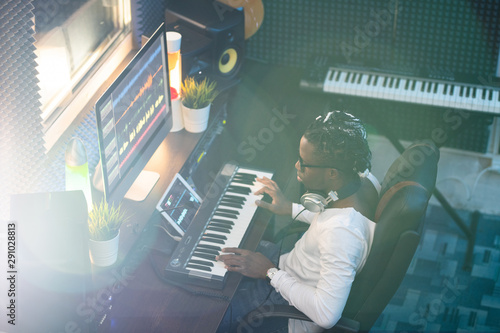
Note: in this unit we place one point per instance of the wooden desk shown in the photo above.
(129, 296)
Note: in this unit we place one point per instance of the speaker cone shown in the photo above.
(229, 61)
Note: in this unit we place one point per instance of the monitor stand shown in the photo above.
(142, 185)
(139, 190)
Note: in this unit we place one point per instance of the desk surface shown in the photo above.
(140, 300)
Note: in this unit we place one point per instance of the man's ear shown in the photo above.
(333, 173)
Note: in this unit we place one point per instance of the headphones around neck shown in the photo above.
(316, 201)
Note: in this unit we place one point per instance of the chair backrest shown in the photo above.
(406, 190)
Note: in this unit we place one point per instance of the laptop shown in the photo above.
(179, 204)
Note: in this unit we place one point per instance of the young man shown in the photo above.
(316, 276)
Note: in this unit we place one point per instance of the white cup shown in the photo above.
(173, 41)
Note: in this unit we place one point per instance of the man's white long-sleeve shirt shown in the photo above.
(316, 276)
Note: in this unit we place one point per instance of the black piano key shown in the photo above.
(233, 200)
(212, 235)
(222, 221)
(213, 240)
(204, 256)
(422, 88)
(238, 189)
(219, 229)
(353, 78)
(384, 83)
(445, 88)
(201, 262)
(413, 84)
(429, 87)
(467, 92)
(221, 225)
(490, 95)
(229, 211)
(483, 95)
(474, 92)
(229, 216)
(234, 197)
(347, 77)
(369, 79)
(407, 84)
(230, 204)
(245, 181)
(331, 75)
(398, 81)
(375, 80)
(461, 91)
(206, 251)
(337, 77)
(452, 90)
(391, 82)
(210, 247)
(246, 174)
(435, 88)
(360, 77)
(200, 267)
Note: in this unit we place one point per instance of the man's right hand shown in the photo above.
(280, 204)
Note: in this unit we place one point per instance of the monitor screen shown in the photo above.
(133, 117)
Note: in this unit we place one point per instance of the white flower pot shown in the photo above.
(195, 120)
(104, 253)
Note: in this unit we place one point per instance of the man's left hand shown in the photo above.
(248, 263)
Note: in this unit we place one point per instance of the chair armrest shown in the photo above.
(288, 311)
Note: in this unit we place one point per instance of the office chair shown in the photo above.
(405, 193)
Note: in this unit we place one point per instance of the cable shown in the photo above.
(279, 254)
(491, 168)
(286, 232)
(175, 238)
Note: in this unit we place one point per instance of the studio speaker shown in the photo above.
(213, 38)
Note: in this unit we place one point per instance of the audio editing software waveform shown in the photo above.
(138, 109)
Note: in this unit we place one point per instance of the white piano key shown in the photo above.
(328, 83)
(438, 96)
(379, 87)
(402, 94)
(340, 83)
(415, 94)
(494, 103)
(363, 85)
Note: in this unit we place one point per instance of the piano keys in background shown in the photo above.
(401, 88)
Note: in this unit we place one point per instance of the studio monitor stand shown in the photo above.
(139, 190)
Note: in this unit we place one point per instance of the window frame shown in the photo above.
(89, 79)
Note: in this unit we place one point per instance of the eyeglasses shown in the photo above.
(303, 166)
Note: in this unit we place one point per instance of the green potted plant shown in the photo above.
(104, 232)
(197, 97)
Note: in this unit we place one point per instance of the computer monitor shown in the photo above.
(133, 118)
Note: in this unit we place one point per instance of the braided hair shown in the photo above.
(339, 139)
